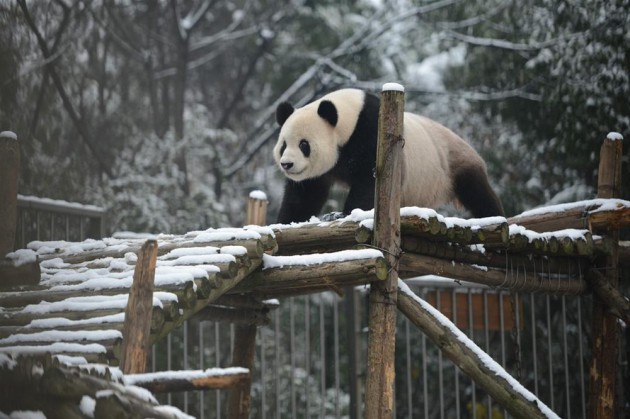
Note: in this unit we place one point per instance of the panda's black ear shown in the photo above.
(328, 111)
(283, 112)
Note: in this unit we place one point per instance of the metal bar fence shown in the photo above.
(48, 219)
(302, 364)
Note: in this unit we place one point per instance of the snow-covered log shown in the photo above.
(595, 214)
(294, 275)
(474, 362)
(175, 381)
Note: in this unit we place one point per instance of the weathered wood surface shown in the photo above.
(9, 172)
(604, 365)
(501, 390)
(173, 383)
(381, 372)
(12, 275)
(137, 327)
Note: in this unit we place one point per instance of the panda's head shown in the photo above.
(311, 136)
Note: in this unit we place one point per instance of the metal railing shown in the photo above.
(305, 369)
(49, 219)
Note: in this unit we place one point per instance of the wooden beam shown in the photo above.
(381, 374)
(9, 171)
(137, 329)
(604, 365)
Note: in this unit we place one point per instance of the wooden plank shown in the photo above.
(381, 374)
(137, 329)
(9, 170)
(604, 366)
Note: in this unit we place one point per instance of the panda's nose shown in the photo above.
(286, 166)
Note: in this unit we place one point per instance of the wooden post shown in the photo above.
(604, 361)
(137, 328)
(9, 170)
(379, 396)
(239, 401)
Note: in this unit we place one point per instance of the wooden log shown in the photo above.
(381, 373)
(136, 333)
(618, 304)
(521, 280)
(9, 172)
(178, 381)
(580, 216)
(239, 400)
(533, 263)
(304, 279)
(316, 238)
(12, 275)
(115, 405)
(257, 208)
(604, 366)
(444, 335)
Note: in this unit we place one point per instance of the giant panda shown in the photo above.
(334, 139)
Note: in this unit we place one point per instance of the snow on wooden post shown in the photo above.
(239, 401)
(379, 395)
(604, 366)
(9, 169)
(137, 328)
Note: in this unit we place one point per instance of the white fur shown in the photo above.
(323, 138)
(432, 152)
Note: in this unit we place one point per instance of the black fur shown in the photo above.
(475, 193)
(328, 111)
(283, 112)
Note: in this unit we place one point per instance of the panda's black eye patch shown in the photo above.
(284, 147)
(305, 148)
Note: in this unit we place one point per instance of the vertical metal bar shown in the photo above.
(201, 367)
(336, 347)
(169, 365)
(425, 380)
(307, 352)
(534, 342)
(472, 335)
(37, 224)
(408, 369)
(52, 226)
(322, 351)
(277, 362)
(458, 413)
(581, 349)
(566, 357)
(263, 374)
(186, 366)
(217, 349)
(486, 325)
(502, 333)
(81, 229)
(292, 355)
(67, 228)
(438, 304)
(549, 353)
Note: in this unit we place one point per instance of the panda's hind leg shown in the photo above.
(473, 190)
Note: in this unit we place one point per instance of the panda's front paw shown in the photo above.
(332, 216)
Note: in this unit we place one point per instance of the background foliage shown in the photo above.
(162, 111)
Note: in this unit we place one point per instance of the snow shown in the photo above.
(60, 204)
(603, 204)
(8, 134)
(185, 251)
(87, 406)
(234, 250)
(258, 195)
(22, 256)
(134, 379)
(488, 362)
(570, 233)
(63, 336)
(319, 258)
(615, 136)
(7, 362)
(57, 347)
(226, 234)
(71, 360)
(387, 87)
(27, 414)
(94, 302)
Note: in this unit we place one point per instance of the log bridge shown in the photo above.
(71, 343)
